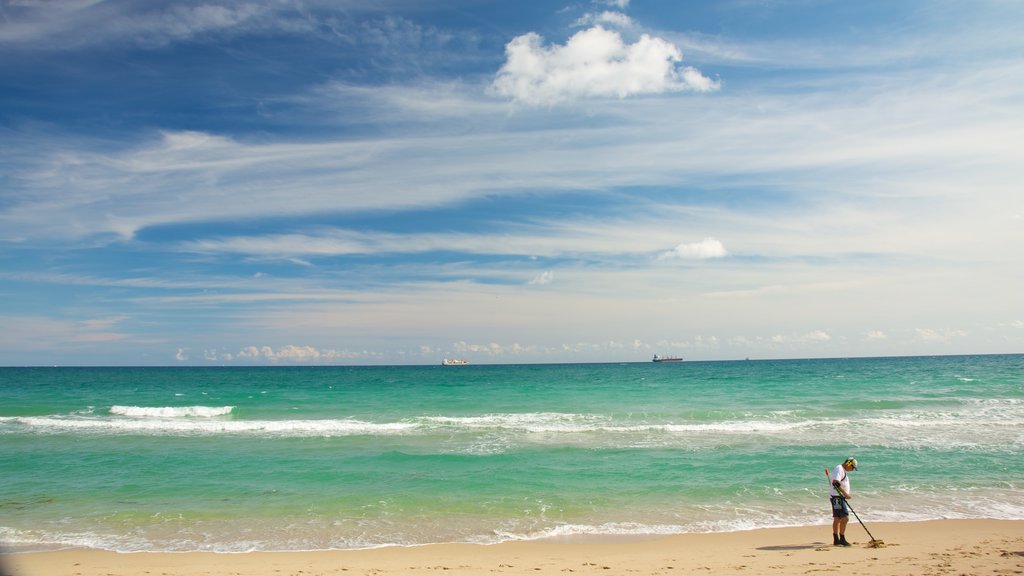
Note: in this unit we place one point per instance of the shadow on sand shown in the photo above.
(3, 563)
(792, 547)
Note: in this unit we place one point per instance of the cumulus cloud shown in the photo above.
(495, 349)
(594, 63)
(817, 336)
(545, 277)
(290, 354)
(940, 335)
(808, 338)
(490, 348)
(707, 248)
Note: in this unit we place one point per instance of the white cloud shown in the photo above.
(707, 248)
(938, 144)
(291, 353)
(543, 278)
(68, 24)
(814, 336)
(181, 355)
(41, 332)
(693, 79)
(559, 238)
(939, 335)
(72, 190)
(593, 63)
(610, 18)
(105, 323)
(297, 353)
(491, 348)
(817, 336)
(183, 22)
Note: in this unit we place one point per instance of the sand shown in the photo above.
(942, 547)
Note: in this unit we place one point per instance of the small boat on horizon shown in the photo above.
(666, 358)
(454, 362)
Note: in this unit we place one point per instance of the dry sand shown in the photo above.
(946, 547)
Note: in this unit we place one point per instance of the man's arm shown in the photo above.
(839, 488)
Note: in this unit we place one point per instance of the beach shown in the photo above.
(917, 548)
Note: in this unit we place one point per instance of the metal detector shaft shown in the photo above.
(856, 516)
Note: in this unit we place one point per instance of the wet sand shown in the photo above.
(942, 547)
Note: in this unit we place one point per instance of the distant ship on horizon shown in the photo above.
(666, 358)
(454, 362)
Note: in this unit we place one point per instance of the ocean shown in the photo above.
(235, 459)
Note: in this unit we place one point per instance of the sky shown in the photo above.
(342, 182)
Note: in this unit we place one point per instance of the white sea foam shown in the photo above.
(971, 426)
(607, 529)
(306, 530)
(744, 427)
(528, 422)
(568, 423)
(232, 535)
(172, 411)
(207, 426)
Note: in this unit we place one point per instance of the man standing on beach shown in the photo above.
(840, 493)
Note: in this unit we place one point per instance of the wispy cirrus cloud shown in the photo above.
(547, 240)
(75, 190)
(72, 23)
(37, 332)
(372, 183)
(609, 18)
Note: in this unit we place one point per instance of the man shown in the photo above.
(838, 495)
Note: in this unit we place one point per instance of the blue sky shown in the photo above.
(394, 182)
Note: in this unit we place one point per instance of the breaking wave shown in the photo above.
(172, 411)
(985, 426)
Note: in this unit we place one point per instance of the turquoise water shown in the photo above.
(234, 459)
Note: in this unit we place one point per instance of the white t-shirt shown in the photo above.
(839, 473)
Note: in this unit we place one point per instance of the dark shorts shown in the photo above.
(839, 509)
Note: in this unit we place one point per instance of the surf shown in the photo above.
(172, 411)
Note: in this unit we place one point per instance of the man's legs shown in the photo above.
(839, 531)
(840, 517)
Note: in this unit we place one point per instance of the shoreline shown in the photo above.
(924, 547)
